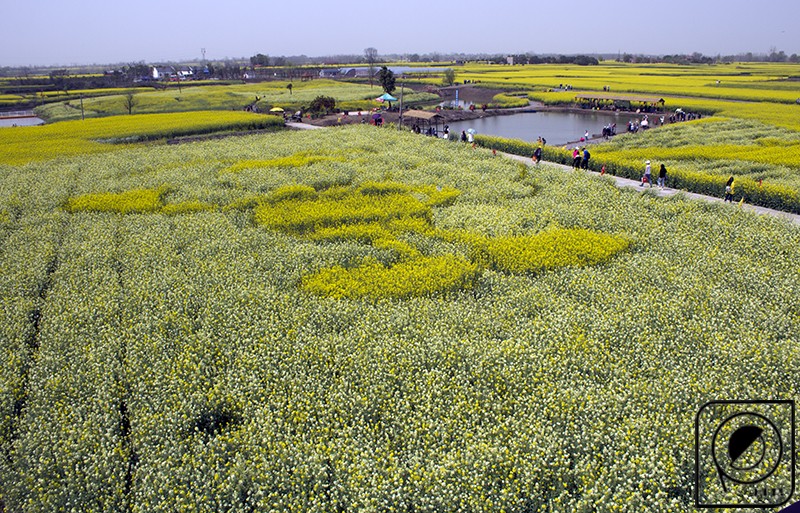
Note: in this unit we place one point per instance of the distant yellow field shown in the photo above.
(20, 145)
(751, 82)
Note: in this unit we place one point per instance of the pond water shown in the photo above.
(10, 122)
(557, 127)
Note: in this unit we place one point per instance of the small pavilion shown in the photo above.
(424, 119)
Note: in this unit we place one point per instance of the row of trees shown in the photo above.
(370, 57)
(370, 54)
(525, 58)
(774, 55)
(265, 60)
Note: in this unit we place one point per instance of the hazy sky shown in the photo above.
(55, 32)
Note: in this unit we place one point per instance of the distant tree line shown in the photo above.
(370, 57)
(57, 81)
(265, 60)
(581, 60)
(774, 55)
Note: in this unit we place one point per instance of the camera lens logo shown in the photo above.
(744, 454)
(747, 449)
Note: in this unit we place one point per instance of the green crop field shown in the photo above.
(264, 95)
(361, 319)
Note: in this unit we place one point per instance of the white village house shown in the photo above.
(169, 72)
(185, 72)
(162, 72)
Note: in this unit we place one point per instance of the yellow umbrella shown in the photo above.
(276, 109)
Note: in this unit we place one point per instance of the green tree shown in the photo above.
(449, 77)
(322, 105)
(386, 79)
(259, 60)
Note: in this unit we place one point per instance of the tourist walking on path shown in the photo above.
(662, 176)
(537, 155)
(576, 158)
(463, 136)
(729, 190)
(646, 177)
(585, 161)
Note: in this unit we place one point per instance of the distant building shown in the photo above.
(163, 72)
(185, 72)
(329, 73)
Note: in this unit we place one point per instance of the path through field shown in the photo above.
(301, 126)
(626, 183)
(666, 192)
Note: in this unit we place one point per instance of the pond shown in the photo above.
(27, 121)
(558, 127)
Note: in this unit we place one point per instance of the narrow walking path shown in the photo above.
(301, 126)
(666, 192)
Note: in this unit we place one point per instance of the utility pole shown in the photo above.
(203, 51)
(400, 121)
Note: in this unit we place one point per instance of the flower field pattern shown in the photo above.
(378, 213)
(138, 200)
(553, 249)
(381, 213)
(180, 362)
